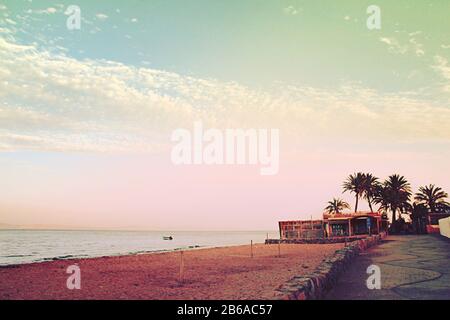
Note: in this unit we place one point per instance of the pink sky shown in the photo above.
(149, 192)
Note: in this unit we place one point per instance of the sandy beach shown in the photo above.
(212, 273)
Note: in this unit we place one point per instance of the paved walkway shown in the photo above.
(412, 267)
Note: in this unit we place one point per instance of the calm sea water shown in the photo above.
(25, 246)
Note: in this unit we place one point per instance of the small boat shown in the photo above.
(168, 238)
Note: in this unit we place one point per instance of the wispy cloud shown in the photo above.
(442, 66)
(49, 10)
(51, 101)
(54, 102)
(417, 47)
(412, 45)
(393, 45)
(101, 16)
(291, 10)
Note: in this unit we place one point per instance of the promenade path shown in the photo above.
(412, 267)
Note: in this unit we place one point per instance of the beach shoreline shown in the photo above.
(228, 272)
(81, 257)
(31, 246)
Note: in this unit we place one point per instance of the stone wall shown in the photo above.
(317, 283)
(315, 240)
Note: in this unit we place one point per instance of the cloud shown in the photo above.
(10, 21)
(49, 10)
(396, 47)
(443, 68)
(50, 101)
(101, 16)
(417, 47)
(415, 33)
(290, 10)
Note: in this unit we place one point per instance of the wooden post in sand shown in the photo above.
(279, 248)
(181, 275)
(251, 248)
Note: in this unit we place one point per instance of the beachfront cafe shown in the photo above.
(335, 225)
(354, 224)
(301, 229)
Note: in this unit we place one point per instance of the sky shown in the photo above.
(86, 116)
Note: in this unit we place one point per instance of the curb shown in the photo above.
(314, 285)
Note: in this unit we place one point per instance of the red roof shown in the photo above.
(352, 215)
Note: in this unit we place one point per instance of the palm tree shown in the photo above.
(393, 195)
(355, 184)
(381, 197)
(431, 196)
(336, 206)
(370, 186)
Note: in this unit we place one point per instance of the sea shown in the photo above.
(33, 246)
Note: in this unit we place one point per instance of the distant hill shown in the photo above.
(5, 226)
(8, 226)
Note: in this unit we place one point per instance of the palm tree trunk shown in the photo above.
(394, 212)
(356, 204)
(370, 204)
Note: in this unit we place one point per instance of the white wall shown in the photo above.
(444, 227)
